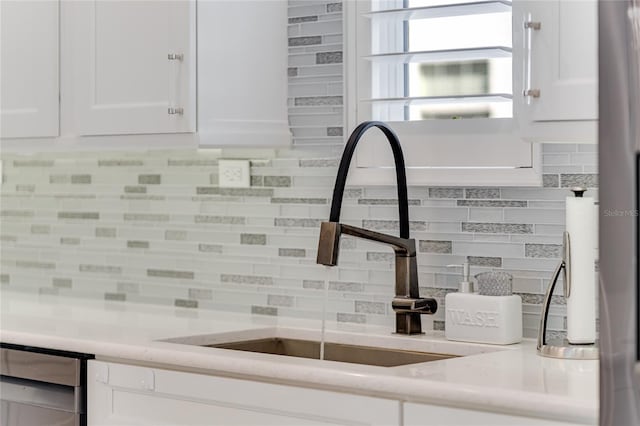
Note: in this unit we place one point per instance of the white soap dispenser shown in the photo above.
(494, 317)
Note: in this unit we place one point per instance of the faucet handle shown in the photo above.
(421, 305)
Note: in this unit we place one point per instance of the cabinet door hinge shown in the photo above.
(532, 25)
(534, 93)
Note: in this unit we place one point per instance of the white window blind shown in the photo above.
(435, 59)
(441, 74)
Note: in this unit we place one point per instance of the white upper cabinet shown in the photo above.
(242, 73)
(556, 84)
(133, 66)
(128, 72)
(29, 69)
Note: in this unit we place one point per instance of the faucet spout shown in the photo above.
(407, 303)
(330, 232)
(401, 176)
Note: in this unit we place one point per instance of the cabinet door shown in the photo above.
(132, 395)
(242, 64)
(134, 66)
(29, 69)
(420, 415)
(556, 89)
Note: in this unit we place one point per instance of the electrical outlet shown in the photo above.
(234, 174)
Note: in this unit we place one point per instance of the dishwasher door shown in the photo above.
(13, 413)
(41, 387)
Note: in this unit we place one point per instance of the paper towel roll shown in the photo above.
(581, 215)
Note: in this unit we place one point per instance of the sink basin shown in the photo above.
(382, 357)
(376, 348)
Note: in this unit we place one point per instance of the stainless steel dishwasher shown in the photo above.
(41, 387)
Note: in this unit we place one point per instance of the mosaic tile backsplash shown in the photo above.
(155, 227)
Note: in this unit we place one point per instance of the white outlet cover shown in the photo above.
(234, 174)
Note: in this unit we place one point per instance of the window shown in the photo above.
(440, 72)
(449, 60)
(451, 79)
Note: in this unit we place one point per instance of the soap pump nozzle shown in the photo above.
(466, 285)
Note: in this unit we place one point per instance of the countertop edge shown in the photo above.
(398, 388)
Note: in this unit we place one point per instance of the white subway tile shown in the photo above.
(461, 248)
(486, 215)
(542, 216)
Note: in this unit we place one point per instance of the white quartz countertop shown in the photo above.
(508, 379)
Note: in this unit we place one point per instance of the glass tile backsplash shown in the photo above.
(156, 228)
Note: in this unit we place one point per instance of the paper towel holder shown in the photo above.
(560, 347)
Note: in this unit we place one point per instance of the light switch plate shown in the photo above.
(234, 174)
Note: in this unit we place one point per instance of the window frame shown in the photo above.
(473, 145)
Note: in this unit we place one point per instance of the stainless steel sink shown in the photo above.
(382, 357)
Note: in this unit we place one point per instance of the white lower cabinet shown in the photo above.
(121, 394)
(432, 415)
